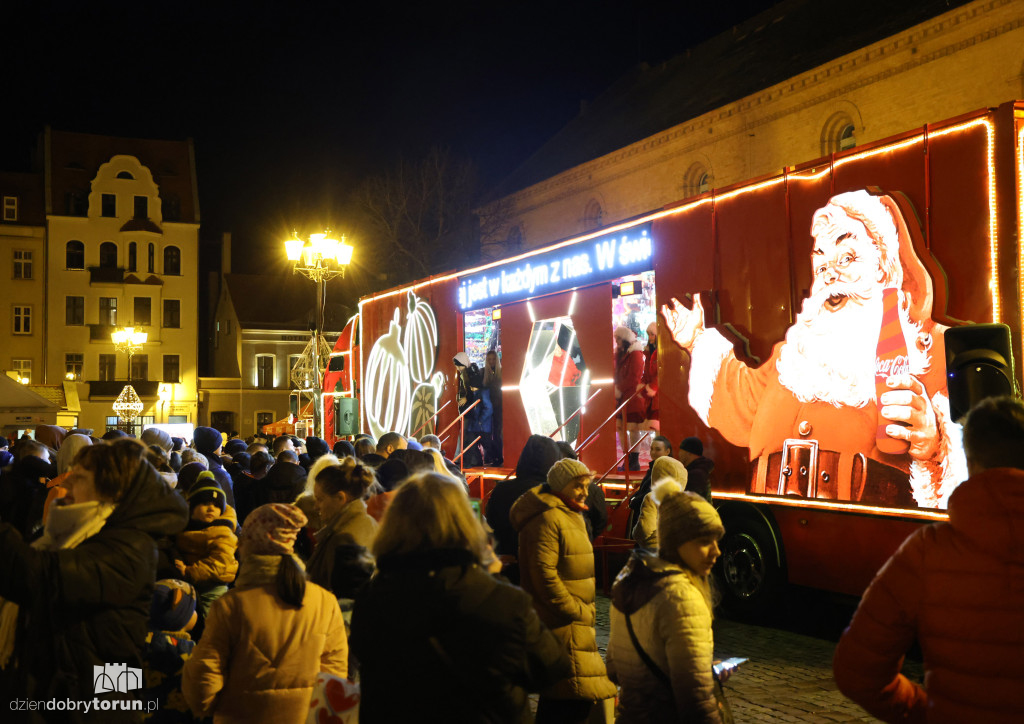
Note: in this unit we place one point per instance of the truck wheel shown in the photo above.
(748, 570)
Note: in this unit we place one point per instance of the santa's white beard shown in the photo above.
(830, 356)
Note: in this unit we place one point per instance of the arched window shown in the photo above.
(698, 180)
(172, 261)
(133, 260)
(74, 255)
(151, 261)
(108, 255)
(847, 138)
(839, 134)
(592, 215)
(125, 174)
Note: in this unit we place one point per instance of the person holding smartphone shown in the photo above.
(661, 648)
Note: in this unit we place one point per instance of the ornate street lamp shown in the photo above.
(320, 259)
(128, 405)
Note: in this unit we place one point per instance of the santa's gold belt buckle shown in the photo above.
(798, 470)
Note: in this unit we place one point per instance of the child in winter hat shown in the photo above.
(207, 546)
(172, 614)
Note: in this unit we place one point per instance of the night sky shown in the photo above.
(291, 105)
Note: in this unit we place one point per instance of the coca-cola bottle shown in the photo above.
(891, 358)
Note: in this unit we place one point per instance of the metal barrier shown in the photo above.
(461, 420)
(431, 419)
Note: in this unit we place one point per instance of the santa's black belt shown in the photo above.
(803, 469)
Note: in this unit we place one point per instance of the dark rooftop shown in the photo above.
(790, 38)
(280, 302)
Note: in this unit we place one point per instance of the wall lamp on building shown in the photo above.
(320, 259)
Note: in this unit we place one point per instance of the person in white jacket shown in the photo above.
(661, 647)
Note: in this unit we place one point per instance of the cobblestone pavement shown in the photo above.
(788, 677)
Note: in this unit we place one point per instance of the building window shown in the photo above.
(171, 207)
(10, 208)
(293, 359)
(108, 367)
(108, 255)
(140, 367)
(76, 203)
(592, 215)
(22, 368)
(73, 366)
(697, 180)
(172, 368)
(74, 255)
(265, 371)
(108, 205)
(847, 137)
(172, 261)
(133, 260)
(143, 311)
(264, 417)
(108, 311)
(177, 419)
(172, 313)
(22, 264)
(838, 134)
(125, 175)
(74, 311)
(141, 207)
(22, 319)
(151, 259)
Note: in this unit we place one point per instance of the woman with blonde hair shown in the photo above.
(434, 625)
(661, 646)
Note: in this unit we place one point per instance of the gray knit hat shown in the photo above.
(564, 472)
(683, 516)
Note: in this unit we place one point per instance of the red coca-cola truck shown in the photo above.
(801, 336)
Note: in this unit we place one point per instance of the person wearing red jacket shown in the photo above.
(629, 371)
(958, 588)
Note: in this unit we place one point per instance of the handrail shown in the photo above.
(583, 445)
(579, 411)
(466, 448)
(430, 419)
(624, 456)
(459, 418)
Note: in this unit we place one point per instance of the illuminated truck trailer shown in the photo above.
(802, 321)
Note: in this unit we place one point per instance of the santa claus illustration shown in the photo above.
(814, 419)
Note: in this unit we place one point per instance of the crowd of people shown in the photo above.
(247, 578)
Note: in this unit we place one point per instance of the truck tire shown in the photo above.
(748, 571)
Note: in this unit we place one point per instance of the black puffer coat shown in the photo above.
(435, 630)
(88, 606)
(539, 454)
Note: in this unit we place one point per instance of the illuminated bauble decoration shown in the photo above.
(388, 384)
(420, 341)
(128, 405)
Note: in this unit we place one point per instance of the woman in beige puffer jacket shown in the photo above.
(556, 563)
(267, 639)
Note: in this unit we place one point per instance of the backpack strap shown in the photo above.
(655, 669)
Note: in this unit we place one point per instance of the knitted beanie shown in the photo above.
(156, 436)
(668, 467)
(692, 445)
(172, 606)
(233, 447)
(189, 474)
(271, 530)
(683, 516)
(316, 447)
(206, 440)
(206, 490)
(564, 472)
